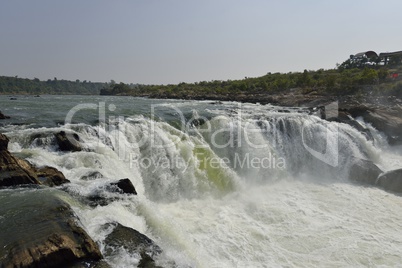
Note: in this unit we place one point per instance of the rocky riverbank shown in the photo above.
(383, 112)
(40, 229)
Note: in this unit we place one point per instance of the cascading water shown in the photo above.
(231, 186)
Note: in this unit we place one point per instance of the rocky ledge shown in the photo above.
(39, 229)
(15, 171)
(367, 173)
(383, 112)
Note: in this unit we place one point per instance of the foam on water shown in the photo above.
(301, 215)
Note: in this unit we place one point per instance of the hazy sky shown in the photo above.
(171, 41)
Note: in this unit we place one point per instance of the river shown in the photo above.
(220, 184)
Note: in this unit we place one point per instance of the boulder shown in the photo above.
(387, 121)
(11, 173)
(125, 186)
(47, 233)
(102, 196)
(2, 116)
(50, 176)
(68, 142)
(92, 175)
(391, 181)
(364, 172)
(3, 142)
(133, 242)
(15, 171)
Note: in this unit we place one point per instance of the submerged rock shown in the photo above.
(365, 172)
(68, 141)
(391, 181)
(110, 192)
(125, 186)
(2, 116)
(133, 242)
(93, 175)
(47, 233)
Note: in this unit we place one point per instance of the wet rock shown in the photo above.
(11, 173)
(41, 140)
(125, 186)
(68, 142)
(47, 233)
(2, 116)
(93, 175)
(387, 121)
(50, 176)
(365, 172)
(133, 242)
(391, 181)
(3, 142)
(108, 193)
(198, 122)
(15, 171)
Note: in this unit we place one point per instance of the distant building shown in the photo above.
(394, 58)
(368, 54)
(371, 58)
(362, 59)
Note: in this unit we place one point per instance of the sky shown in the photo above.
(173, 41)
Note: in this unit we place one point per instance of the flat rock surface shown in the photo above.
(38, 229)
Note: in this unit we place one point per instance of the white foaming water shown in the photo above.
(300, 214)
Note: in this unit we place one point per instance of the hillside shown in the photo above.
(334, 82)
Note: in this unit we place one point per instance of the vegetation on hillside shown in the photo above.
(15, 85)
(339, 81)
(353, 76)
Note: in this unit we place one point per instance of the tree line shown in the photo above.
(16, 85)
(339, 81)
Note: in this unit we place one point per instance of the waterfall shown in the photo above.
(226, 187)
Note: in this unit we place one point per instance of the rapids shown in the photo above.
(219, 184)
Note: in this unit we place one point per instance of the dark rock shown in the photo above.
(11, 173)
(102, 196)
(387, 121)
(15, 171)
(46, 235)
(133, 242)
(41, 140)
(93, 175)
(2, 116)
(3, 142)
(50, 176)
(125, 186)
(68, 142)
(391, 181)
(364, 171)
(198, 122)
(99, 199)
